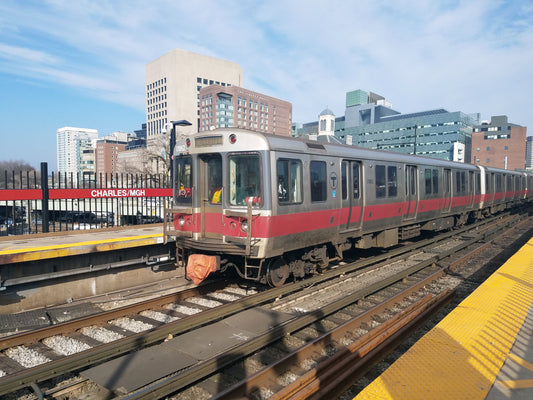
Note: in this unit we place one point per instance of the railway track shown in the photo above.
(397, 275)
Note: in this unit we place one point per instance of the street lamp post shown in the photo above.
(181, 122)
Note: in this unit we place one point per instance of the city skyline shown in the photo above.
(82, 63)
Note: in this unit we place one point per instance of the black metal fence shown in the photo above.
(35, 202)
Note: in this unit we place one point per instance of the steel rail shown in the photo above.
(175, 382)
(244, 388)
(134, 342)
(327, 379)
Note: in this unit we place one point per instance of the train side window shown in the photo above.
(289, 181)
(245, 179)
(318, 181)
(344, 180)
(355, 174)
(447, 177)
(381, 188)
(392, 181)
(435, 175)
(428, 180)
(460, 182)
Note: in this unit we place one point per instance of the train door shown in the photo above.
(490, 187)
(352, 196)
(411, 191)
(212, 192)
(471, 189)
(447, 190)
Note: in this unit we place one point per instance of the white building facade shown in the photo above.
(73, 148)
(173, 83)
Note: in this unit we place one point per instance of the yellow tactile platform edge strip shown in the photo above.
(62, 250)
(461, 357)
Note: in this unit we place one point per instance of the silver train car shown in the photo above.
(272, 207)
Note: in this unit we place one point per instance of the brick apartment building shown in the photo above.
(233, 106)
(499, 144)
(107, 151)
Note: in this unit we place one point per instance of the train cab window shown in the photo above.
(183, 180)
(214, 179)
(289, 181)
(318, 181)
(244, 179)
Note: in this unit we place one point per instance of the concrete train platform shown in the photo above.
(15, 249)
(481, 350)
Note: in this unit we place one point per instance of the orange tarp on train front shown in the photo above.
(199, 266)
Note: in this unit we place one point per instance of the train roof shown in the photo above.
(246, 140)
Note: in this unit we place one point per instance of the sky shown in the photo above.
(82, 63)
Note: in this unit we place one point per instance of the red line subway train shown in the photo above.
(273, 206)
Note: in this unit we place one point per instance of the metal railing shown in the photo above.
(35, 202)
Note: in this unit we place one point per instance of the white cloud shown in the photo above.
(471, 56)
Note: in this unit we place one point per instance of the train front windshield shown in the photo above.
(244, 173)
(243, 182)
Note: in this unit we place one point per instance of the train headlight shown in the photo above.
(244, 225)
(232, 138)
(181, 221)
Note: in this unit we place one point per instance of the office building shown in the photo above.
(499, 144)
(173, 83)
(233, 106)
(434, 133)
(529, 153)
(371, 122)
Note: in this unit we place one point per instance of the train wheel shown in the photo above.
(277, 272)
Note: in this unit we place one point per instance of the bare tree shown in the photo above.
(152, 161)
(18, 174)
